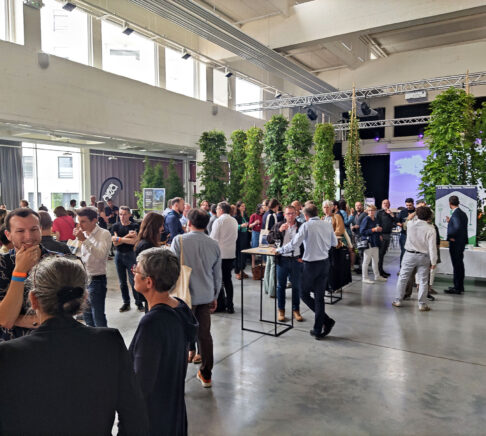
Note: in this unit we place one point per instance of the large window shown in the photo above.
(247, 92)
(131, 55)
(64, 33)
(12, 21)
(179, 73)
(220, 88)
(44, 165)
(3, 20)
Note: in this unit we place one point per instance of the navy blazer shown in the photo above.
(457, 227)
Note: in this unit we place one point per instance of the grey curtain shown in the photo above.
(11, 174)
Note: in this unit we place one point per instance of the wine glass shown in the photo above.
(277, 243)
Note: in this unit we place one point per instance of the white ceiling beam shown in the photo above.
(351, 50)
(328, 20)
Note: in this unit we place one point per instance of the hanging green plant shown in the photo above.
(236, 161)
(354, 186)
(274, 148)
(297, 182)
(212, 175)
(253, 176)
(456, 156)
(323, 171)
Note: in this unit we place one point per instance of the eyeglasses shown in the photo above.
(134, 271)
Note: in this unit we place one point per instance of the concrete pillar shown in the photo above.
(209, 84)
(96, 44)
(232, 92)
(185, 180)
(161, 69)
(85, 173)
(32, 28)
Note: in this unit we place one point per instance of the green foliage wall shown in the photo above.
(323, 170)
(212, 176)
(173, 184)
(236, 161)
(297, 182)
(274, 148)
(152, 177)
(456, 157)
(253, 176)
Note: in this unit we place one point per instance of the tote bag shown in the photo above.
(181, 289)
(264, 232)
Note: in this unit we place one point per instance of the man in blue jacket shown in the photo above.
(457, 237)
(172, 221)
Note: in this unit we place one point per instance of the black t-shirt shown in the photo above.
(122, 231)
(111, 210)
(143, 245)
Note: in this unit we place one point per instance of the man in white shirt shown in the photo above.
(225, 232)
(95, 246)
(420, 253)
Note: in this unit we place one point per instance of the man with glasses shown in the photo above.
(95, 246)
(124, 236)
(22, 228)
(289, 265)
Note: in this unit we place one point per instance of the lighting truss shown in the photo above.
(436, 83)
(392, 122)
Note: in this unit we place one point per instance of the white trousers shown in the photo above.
(411, 261)
(370, 255)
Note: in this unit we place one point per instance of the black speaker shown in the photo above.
(311, 114)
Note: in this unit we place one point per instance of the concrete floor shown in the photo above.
(383, 370)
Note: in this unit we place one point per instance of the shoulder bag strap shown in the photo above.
(182, 252)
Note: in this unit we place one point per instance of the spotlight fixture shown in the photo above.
(377, 138)
(311, 114)
(227, 73)
(185, 54)
(421, 134)
(67, 153)
(127, 30)
(365, 109)
(278, 94)
(112, 158)
(68, 6)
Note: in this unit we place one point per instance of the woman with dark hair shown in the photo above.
(255, 226)
(150, 231)
(63, 225)
(102, 218)
(78, 376)
(243, 241)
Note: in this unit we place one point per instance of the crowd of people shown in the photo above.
(52, 270)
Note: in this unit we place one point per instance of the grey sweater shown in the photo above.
(203, 255)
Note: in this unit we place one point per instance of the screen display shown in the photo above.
(405, 167)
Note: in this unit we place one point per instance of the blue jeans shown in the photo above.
(314, 279)
(94, 315)
(288, 267)
(124, 262)
(255, 239)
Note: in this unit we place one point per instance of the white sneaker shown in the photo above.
(397, 302)
(381, 279)
(371, 282)
(423, 307)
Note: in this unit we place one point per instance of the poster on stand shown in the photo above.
(468, 197)
(154, 199)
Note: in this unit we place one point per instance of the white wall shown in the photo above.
(79, 98)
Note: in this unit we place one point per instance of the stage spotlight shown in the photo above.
(227, 73)
(377, 138)
(68, 6)
(365, 109)
(278, 94)
(127, 30)
(185, 55)
(311, 114)
(421, 134)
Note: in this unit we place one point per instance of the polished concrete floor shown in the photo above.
(382, 371)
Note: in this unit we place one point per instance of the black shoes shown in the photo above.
(125, 307)
(430, 297)
(385, 274)
(327, 329)
(453, 291)
(140, 307)
(230, 309)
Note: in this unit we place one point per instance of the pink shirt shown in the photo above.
(64, 225)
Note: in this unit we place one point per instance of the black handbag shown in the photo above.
(363, 243)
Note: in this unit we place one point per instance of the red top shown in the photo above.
(259, 218)
(64, 225)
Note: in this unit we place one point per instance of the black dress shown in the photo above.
(67, 378)
(242, 243)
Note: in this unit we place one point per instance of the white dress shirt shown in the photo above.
(95, 249)
(289, 234)
(421, 237)
(225, 232)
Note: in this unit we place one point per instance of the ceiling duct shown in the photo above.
(209, 26)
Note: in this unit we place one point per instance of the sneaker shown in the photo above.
(371, 282)
(423, 307)
(397, 302)
(406, 297)
(125, 307)
(206, 383)
(381, 279)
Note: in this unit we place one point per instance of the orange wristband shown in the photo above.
(19, 274)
